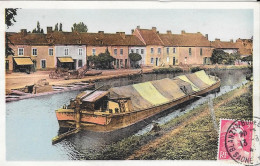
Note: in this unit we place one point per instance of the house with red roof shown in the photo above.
(153, 45)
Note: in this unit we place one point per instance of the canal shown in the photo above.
(31, 123)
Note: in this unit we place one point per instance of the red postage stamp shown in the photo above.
(236, 141)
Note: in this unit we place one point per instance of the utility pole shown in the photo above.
(212, 113)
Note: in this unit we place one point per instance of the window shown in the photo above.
(80, 51)
(93, 51)
(200, 51)
(79, 63)
(151, 50)
(34, 51)
(66, 51)
(121, 51)
(20, 51)
(142, 51)
(168, 59)
(132, 50)
(115, 51)
(151, 60)
(51, 51)
(174, 50)
(159, 50)
(168, 50)
(137, 51)
(189, 51)
(43, 63)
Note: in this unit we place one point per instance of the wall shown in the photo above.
(154, 55)
(73, 52)
(134, 48)
(195, 57)
(43, 53)
(170, 55)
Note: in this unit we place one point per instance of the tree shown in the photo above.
(80, 27)
(38, 28)
(248, 59)
(56, 27)
(60, 27)
(134, 57)
(218, 56)
(103, 60)
(10, 14)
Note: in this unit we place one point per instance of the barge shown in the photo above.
(120, 107)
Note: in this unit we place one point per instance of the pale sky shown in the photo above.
(225, 24)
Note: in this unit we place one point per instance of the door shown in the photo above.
(156, 61)
(43, 64)
(125, 63)
(205, 61)
(34, 65)
(7, 65)
(74, 66)
(173, 61)
(117, 63)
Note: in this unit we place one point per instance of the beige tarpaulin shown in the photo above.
(152, 93)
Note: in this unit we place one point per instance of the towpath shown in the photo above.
(155, 143)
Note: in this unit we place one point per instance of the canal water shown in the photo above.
(31, 123)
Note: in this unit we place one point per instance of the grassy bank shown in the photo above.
(187, 137)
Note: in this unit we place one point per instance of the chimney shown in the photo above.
(169, 32)
(24, 32)
(154, 29)
(216, 39)
(132, 30)
(49, 30)
(122, 34)
(138, 27)
(231, 40)
(207, 36)
(101, 32)
(182, 32)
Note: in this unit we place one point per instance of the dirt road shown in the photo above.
(20, 80)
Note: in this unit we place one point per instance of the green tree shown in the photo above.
(80, 27)
(248, 59)
(134, 57)
(103, 60)
(218, 56)
(60, 27)
(10, 14)
(38, 28)
(56, 27)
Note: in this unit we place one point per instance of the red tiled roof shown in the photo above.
(150, 37)
(185, 40)
(29, 39)
(224, 44)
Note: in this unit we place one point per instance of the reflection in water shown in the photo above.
(32, 123)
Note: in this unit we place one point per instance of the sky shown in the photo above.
(224, 24)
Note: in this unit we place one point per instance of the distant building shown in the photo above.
(227, 46)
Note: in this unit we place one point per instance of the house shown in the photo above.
(227, 46)
(135, 45)
(186, 48)
(31, 51)
(69, 51)
(245, 47)
(117, 44)
(153, 43)
(170, 50)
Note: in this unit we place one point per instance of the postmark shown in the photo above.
(239, 141)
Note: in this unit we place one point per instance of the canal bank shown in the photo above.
(181, 137)
(31, 123)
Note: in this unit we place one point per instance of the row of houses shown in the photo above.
(72, 49)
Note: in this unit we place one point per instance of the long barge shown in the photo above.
(120, 107)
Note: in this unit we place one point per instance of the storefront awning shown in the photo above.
(23, 61)
(65, 59)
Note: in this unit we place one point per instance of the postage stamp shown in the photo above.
(238, 140)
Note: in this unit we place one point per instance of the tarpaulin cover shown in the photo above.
(152, 93)
(204, 77)
(184, 78)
